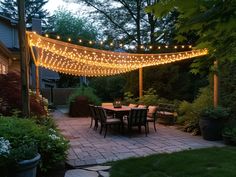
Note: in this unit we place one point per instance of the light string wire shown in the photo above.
(85, 61)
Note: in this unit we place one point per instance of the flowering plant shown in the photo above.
(4, 147)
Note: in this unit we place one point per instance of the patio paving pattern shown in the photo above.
(88, 147)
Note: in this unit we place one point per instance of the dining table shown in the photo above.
(118, 112)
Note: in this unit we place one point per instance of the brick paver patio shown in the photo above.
(88, 147)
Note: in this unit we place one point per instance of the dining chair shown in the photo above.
(137, 118)
(152, 116)
(94, 116)
(105, 121)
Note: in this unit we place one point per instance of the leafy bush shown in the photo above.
(129, 98)
(46, 121)
(151, 98)
(215, 113)
(189, 113)
(25, 135)
(87, 92)
(10, 97)
(230, 129)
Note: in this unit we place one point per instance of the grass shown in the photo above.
(209, 162)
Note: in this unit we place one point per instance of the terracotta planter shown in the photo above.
(211, 129)
(79, 107)
(27, 168)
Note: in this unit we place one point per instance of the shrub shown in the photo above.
(230, 128)
(10, 97)
(189, 113)
(215, 113)
(151, 98)
(24, 135)
(87, 92)
(129, 98)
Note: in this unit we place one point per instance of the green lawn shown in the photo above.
(210, 162)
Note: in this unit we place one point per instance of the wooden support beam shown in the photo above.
(37, 80)
(140, 82)
(216, 85)
(24, 59)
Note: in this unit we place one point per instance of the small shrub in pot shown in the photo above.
(212, 120)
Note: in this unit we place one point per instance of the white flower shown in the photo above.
(4, 147)
(54, 137)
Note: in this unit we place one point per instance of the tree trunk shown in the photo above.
(24, 60)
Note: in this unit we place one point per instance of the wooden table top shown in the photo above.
(111, 108)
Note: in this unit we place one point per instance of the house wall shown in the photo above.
(9, 36)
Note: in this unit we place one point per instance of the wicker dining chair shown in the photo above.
(105, 121)
(137, 118)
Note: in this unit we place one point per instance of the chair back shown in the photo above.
(103, 115)
(97, 113)
(137, 116)
(92, 111)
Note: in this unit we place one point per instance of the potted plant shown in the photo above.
(18, 147)
(212, 121)
(79, 101)
(229, 133)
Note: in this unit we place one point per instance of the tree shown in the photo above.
(67, 25)
(212, 21)
(34, 9)
(127, 22)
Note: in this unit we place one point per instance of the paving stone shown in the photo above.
(98, 168)
(104, 174)
(88, 147)
(80, 173)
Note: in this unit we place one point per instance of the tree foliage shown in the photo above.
(126, 21)
(33, 9)
(67, 25)
(212, 21)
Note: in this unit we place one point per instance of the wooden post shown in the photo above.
(24, 58)
(37, 80)
(140, 82)
(216, 84)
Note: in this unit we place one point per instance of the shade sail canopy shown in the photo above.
(84, 61)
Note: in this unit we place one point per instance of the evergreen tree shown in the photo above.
(33, 9)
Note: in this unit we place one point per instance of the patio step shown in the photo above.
(93, 171)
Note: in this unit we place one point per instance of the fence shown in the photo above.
(57, 96)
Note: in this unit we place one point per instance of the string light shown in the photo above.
(46, 35)
(58, 37)
(84, 61)
(80, 41)
(90, 42)
(69, 39)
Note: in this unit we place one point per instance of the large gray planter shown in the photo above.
(211, 129)
(28, 168)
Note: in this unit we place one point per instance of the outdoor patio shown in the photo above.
(88, 147)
